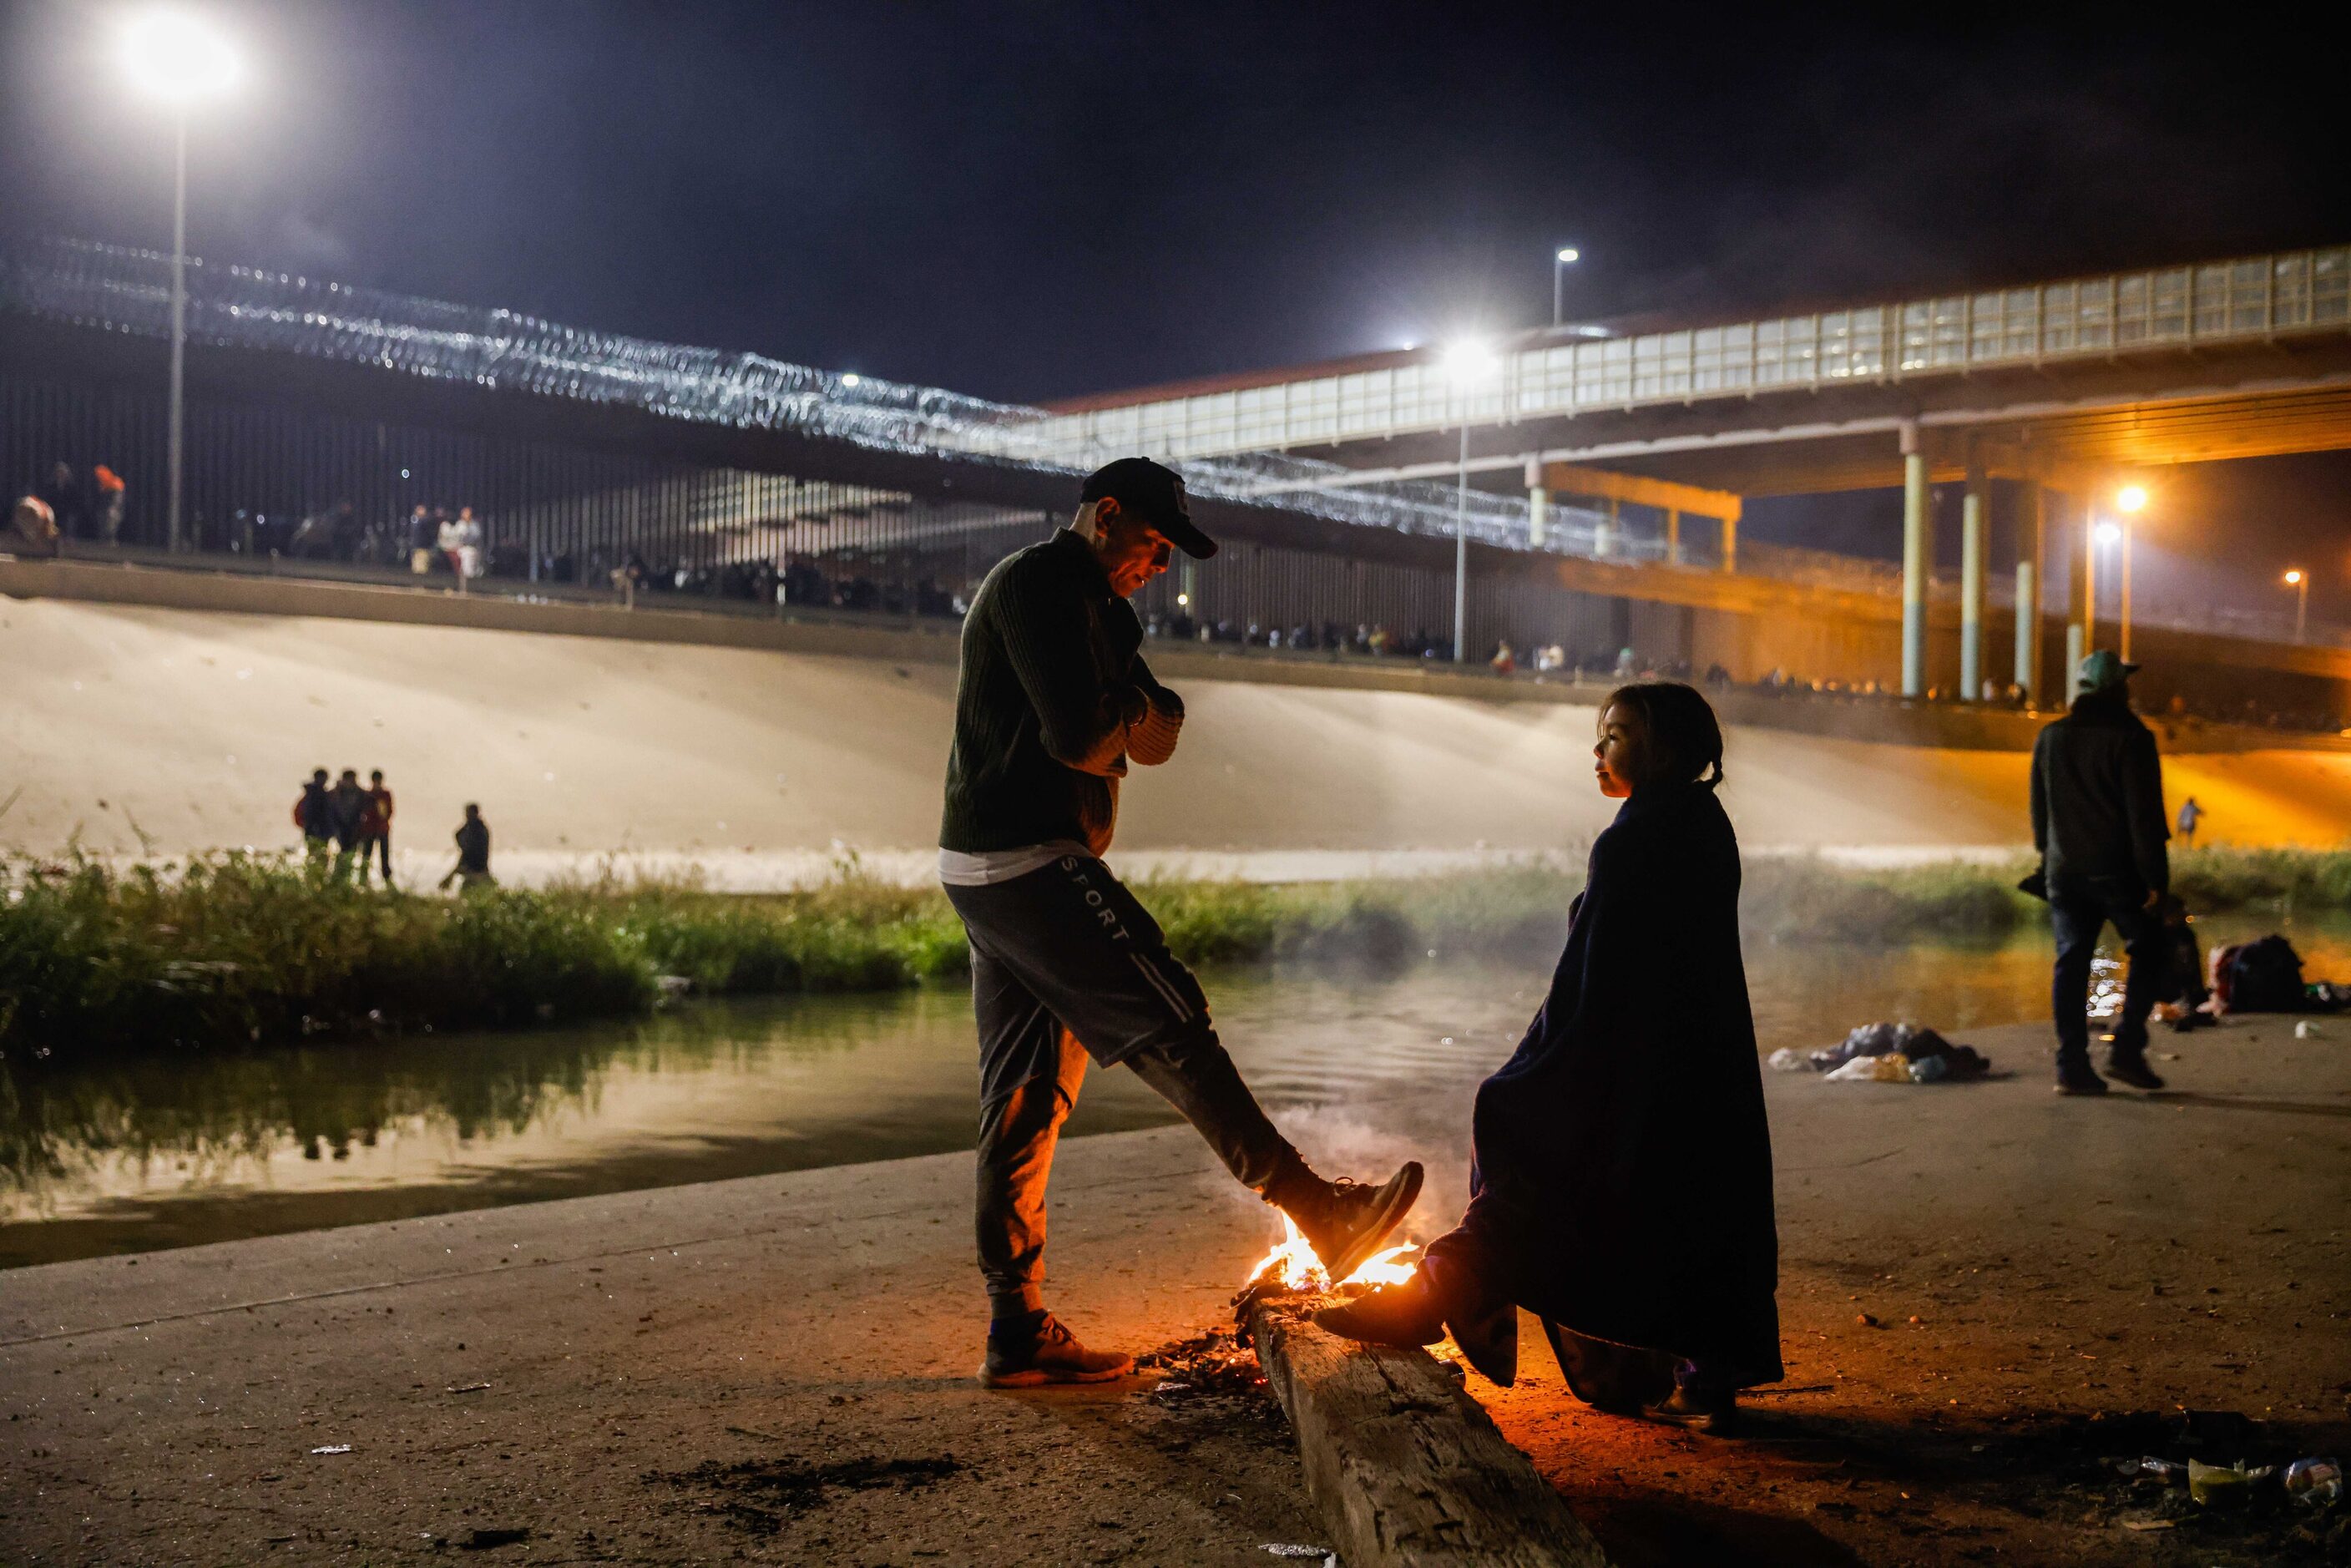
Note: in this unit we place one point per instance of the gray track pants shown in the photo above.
(1065, 964)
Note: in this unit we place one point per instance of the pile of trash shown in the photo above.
(1888, 1053)
(2304, 1497)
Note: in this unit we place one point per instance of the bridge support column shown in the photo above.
(1604, 534)
(2032, 564)
(1538, 510)
(1975, 524)
(1918, 559)
(1673, 536)
(1731, 543)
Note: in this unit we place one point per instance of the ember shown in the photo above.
(1294, 1266)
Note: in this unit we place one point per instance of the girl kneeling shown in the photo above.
(1621, 1177)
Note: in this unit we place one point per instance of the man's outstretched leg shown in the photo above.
(1068, 946)
(1343, 1221)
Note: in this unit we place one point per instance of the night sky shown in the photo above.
(1028, 201)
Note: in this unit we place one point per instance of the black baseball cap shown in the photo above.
(1154, 492)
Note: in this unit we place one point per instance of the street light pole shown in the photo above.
(1461, 551)
(1467, 364)
(179, 62)
(2130, 501)
(2127, 590)
(2299, 581)
(176, 440)
(1560, 260)
(2089, 584)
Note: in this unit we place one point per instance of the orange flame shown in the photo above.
(1296, 1267)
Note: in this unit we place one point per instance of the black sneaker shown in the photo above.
(1051, 1354)
(2130, 1066)
(1345, 1221)
(1404, 1315)
(2079, 1079)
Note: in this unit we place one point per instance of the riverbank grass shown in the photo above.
(238, 949)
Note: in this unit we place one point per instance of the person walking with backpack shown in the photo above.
(2098, 825)
(1052, 703)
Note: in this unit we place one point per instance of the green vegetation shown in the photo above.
(239, 948)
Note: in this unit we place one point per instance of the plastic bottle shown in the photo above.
(2314, 1481)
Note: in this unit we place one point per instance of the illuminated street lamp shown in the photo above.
(1468, 364)
(179, 62)
(2299, 581)
(1567, 255)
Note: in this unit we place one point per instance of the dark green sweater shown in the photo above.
(1053, 699)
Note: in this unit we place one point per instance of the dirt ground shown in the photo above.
(778, 1369)
(1986, 1291)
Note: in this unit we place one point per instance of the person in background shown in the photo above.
(375, 828)
(350, 801)
(449, 537)
(2190, 813)
(1505, 662)
(422, 539)
(1620, 1177)
(472, 867)
(110, 504)
(2097, 824)
(314, 813)
(33, 526)
(468, 560)
(63, 494)
(2183, 986)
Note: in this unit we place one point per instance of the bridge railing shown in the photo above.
(2247, 300)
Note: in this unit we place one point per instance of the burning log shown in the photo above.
(1404, 1466)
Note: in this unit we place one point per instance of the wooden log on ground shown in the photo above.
(1406, 1469)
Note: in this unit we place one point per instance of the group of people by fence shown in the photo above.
(346, 829)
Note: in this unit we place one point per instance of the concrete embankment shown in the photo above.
(132, 728)
(670, 1376)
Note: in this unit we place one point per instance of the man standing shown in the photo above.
(472, 867)
(1052, 703)
(375, 828)
(314, 813)
(2190, 813)
(350, 804)
(2097, 821)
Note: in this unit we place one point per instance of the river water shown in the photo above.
(173, 1150)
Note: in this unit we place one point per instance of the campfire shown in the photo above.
(1293, 1266)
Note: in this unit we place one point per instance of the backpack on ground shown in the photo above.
(2265, 976)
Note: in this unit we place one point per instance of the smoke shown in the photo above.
(1367, 1140)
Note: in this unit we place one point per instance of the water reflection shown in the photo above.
(177, 1149)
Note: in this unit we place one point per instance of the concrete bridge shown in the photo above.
(2074, 385)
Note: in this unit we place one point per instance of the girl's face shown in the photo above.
(1616, 759)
